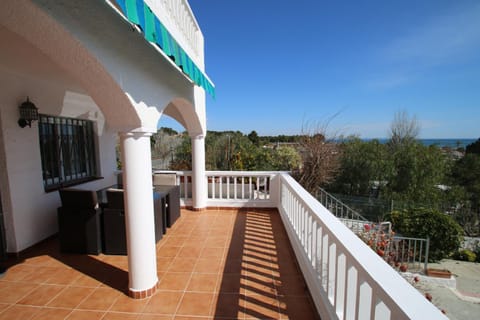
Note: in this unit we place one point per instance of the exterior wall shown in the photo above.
(70, 57)
(30, 212)
(107, 58)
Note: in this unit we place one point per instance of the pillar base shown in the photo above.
(142, 294)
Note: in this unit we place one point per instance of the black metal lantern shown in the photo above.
(28, 113)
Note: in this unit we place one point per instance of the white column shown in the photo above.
(139, 217)
(199, 180)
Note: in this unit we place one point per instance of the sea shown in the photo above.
(452, 143)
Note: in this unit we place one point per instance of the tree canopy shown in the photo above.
(473, 147)
(403, 172)
(232, 150)
(362, 165)
(444, 233)
(403, 129)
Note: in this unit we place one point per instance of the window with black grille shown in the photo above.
(67, 147)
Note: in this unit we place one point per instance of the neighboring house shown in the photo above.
(96, 70)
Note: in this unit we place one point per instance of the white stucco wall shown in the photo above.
(56, 52)
(30, 212)
(149, 80)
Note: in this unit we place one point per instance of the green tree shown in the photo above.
(231, 150)
(320, 161)
(183, 155)
(466, 173)
(253, 137)
(415, 173)
(405, 172)
(403, 129)
(363, 165)
(163, 144)
(243, 153)
(263, 160)
(285, 158)
(464, 196)
(215, 145)
(168, 131)
(473, 147)
(443, 231)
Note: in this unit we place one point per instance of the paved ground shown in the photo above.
(213, 264)
(460, 296)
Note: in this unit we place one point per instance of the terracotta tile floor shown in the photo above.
(216, 264)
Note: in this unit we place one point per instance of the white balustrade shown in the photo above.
(178, 18)
(230, 188)
(345, 277)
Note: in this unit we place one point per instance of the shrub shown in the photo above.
(477, 253)
(465, 255)
(444, 232)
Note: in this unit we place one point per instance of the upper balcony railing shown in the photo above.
(170, 26)
(178, 18)
(346, 279)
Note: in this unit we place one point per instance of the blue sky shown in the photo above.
(281, 67)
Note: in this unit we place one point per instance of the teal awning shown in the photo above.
(139, 13)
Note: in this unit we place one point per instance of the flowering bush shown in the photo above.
(379, 237)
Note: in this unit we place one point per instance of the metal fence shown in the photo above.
(402, 253)
(412, 252)
(337, 207)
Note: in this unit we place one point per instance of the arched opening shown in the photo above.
(40, 36)
(184, 112)
(70, 55)
(177, 118)
(67, 63)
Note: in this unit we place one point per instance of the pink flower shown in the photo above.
(367, 227)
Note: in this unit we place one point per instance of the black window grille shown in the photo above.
(67, 147)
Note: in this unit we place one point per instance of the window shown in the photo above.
(68, 151)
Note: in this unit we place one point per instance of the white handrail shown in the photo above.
(178, 18)
(346, 278)
(230, 188)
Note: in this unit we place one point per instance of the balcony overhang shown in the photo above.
(139, 14)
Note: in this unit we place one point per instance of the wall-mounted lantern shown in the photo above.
(28, 113)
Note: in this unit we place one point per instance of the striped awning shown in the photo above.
(140, 14)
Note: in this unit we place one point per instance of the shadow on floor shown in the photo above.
(91, 266)
(260, 278)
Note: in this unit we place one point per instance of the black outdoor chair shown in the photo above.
(79, 222)
(165, 184)
(114, 230)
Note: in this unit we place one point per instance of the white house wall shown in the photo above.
(149, 79)
(70, 57)
(30, 212)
